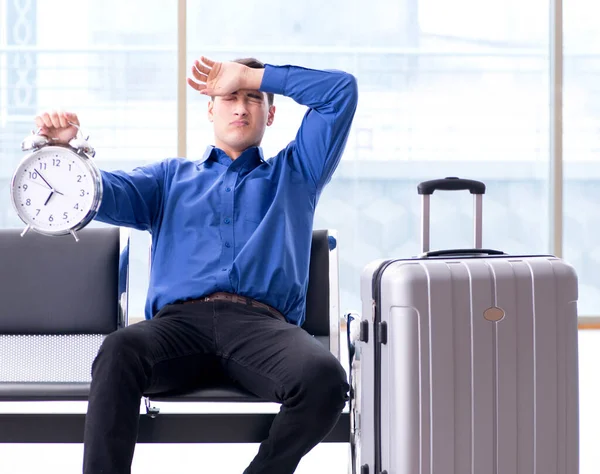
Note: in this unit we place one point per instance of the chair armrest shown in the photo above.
(43, 391)
(124, 243)
(334, 295)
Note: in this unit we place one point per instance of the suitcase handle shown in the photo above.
(451, 184)
(452, 252)
(426, 189)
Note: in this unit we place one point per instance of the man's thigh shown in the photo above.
(177, 346)
(273, 358)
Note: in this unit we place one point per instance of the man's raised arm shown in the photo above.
(331, 97)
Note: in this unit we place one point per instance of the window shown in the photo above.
(582, 149)
(115, 67)
(459, 88)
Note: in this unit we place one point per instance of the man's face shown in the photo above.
(240, 119)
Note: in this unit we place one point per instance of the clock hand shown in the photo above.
(57, 192)
(44, 179)
(37, 183)
(51, 193)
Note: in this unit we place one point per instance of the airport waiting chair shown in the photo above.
(60, 298)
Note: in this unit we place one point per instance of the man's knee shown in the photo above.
(326, 383)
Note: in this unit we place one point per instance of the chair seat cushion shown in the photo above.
(220, 393)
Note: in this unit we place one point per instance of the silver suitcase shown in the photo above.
(465, 361)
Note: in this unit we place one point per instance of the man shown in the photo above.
(231, 237)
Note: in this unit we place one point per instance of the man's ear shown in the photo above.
(271, 115)
(210, 110)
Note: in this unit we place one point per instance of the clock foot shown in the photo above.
(74, 236)
(25, 230)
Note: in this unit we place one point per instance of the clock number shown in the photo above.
(33, 175)
(51, 218)
(55, 162)
(79, 179)
(76, 206)
(37, 212)
(69, 166)
(65, 215)
(28, 202)
(42, 166)
(82, 192)
(25, 187)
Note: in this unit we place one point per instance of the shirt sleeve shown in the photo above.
(132, 199)
(331, 97)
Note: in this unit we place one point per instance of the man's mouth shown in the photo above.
(239, 123)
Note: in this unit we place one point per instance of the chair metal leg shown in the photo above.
(150, 410)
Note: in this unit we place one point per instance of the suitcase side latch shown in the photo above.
(382, 332)
(364, 331)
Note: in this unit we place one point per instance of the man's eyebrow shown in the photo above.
(255, 95)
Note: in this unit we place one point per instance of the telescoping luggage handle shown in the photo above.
(476, 188)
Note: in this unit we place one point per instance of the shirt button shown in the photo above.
(227, 189)
(227, 221)
(227, 244)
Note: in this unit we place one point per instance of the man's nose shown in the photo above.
(240, 109)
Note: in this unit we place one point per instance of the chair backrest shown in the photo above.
(322, 318)
(60, 298)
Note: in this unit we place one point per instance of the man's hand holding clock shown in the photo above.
(59, 127)
(56, 189)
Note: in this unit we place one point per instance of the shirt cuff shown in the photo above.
(274, 79)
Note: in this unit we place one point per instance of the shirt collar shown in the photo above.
(215, 153)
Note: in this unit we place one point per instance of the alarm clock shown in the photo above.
(56, 189)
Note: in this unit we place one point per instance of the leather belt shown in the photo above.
(223, 296)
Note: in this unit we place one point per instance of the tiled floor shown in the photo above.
(329, 458)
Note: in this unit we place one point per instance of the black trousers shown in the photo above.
(186, 345)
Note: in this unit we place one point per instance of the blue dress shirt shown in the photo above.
(242, 226)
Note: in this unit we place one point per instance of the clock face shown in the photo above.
(54, 190)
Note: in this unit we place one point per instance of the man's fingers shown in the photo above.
(201, 67)
(207, 61)
(71, 117)
(55, 120)
(62, 120)
(199, 77)
(194, 85)
(199, 87)
(39, 122)
(45, 117)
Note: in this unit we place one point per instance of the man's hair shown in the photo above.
(255, 64)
